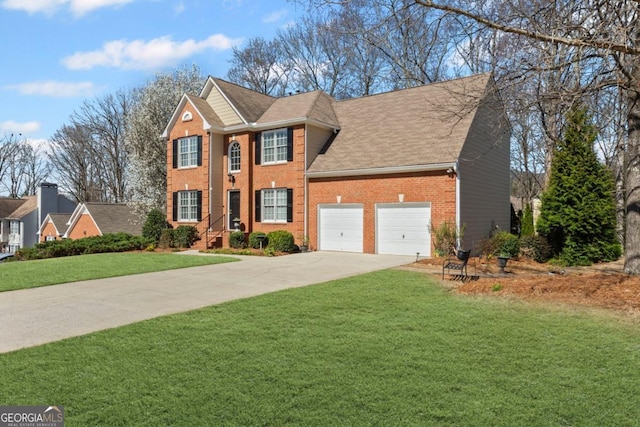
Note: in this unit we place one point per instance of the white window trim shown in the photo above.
(231, 170)
(263, 209)
(191, 207)
(275, 147)
(193, 162)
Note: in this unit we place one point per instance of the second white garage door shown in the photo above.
(403, 228)
(340, 227)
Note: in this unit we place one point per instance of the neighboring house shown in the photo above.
(365, 175)
(20, 227)
(54, 227)
(96, 219)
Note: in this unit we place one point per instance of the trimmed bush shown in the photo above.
(280, 241)
(502, 244)
(254, 240)
(236, 240)
(166, 239)
(153, 226)
(115, 242)
(184, 236)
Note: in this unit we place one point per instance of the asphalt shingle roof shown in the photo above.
(417, 126)
(114, 218)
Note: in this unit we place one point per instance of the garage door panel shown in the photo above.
(341, 228)
(403, 229)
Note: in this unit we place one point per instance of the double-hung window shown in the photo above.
(274, 146)
(274, 205)
(188, 206)
(14, 227)
(188, 152)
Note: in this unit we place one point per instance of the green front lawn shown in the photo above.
(31, 274)
(390, 348)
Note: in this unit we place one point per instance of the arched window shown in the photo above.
(234, 157)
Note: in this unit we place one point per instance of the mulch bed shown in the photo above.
(601, 285)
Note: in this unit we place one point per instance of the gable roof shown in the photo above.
(8, 206)
(59, 222)
(420, 127)
(248, 103)
(108, 217)
(314, 106)
(30, 204)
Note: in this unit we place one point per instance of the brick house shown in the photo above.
(365, 175)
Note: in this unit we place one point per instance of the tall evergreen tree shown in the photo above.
(578, 212)
(526, 227)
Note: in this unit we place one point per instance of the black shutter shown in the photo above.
(289, 144)
(175, 153)
(199, 150)
(199, 206)
(258, 207)
(258, 148)
(175, 206)
(289, 204)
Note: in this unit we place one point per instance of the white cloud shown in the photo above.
(77, 7)
(145, 55)
(11, 126)
(54, 89)
(274, 16)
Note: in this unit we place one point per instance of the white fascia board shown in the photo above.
(382, 171)
(278, 124)
(174, 118)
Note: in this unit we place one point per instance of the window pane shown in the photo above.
(274, 146)
(188, 152)
(188, 206)
(234, 157)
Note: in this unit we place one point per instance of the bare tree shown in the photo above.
(9, 145)
(74, 163)
(106, 119)
(608, 32)
(261, 66)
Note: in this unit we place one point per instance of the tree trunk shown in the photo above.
(632, 181)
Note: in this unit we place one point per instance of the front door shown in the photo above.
(234, 210)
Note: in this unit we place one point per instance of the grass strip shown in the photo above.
(387, 348)
(53, 271)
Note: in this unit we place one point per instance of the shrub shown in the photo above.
(445, 237)
(153, 226)
(255, 240)
(502, 244)
(115, 242)
(184, 236)
(166, 239)
(280, 241)
(526, 226)
(236, 240)
(535, 248)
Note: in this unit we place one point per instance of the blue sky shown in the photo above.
(57, 53)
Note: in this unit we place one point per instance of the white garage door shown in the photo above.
(403, 228)
(340, 228)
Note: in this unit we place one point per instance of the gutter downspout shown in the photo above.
(305, 225)
(210, 178)
(456, 169)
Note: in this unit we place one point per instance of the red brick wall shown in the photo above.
(195, 178)
(435, 187)
(49, 230)
(84, 227)
(254, 177)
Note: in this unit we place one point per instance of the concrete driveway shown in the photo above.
(36, 316)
